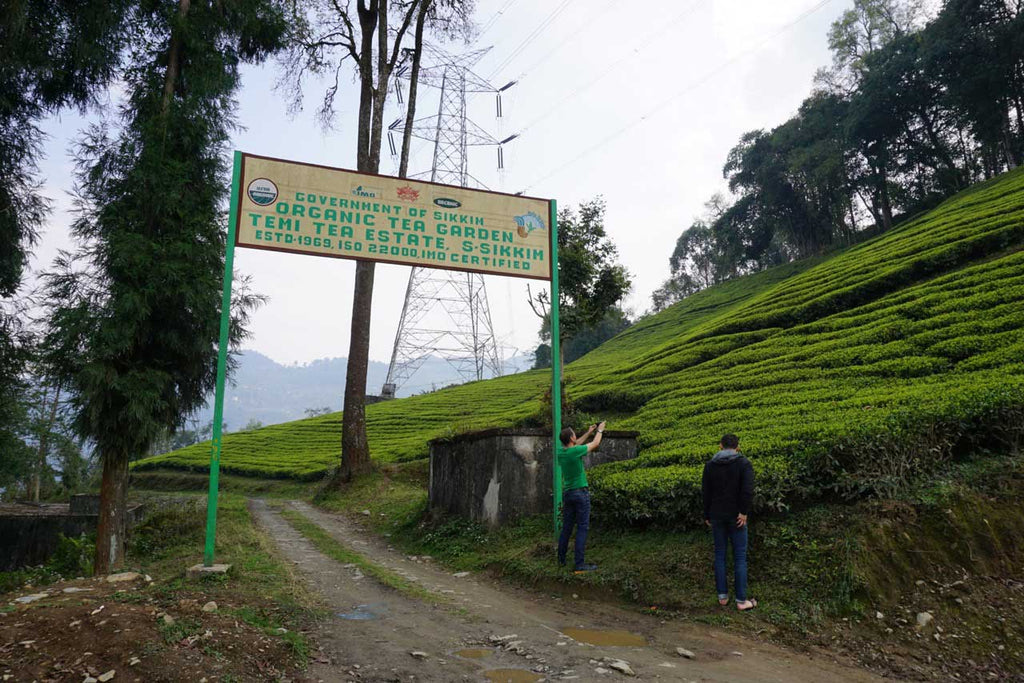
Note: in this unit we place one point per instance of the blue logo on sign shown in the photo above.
(262, 191)
(360, 191)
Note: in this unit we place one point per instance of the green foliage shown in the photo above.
(913, 109)
(135, 334)
(591, 281)
(72, 557)
(56, 53)
(846, 376)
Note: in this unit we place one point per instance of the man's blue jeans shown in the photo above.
(725, 532)
(575, 512)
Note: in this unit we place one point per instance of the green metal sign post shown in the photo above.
(222, 365)
(275, 202)
(556, 376)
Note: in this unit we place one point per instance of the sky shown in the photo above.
(638, 105)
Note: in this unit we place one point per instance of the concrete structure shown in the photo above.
(30, 532)
(496, 475)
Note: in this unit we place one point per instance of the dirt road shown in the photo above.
(490, 632)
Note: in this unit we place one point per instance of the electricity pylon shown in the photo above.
(446, 314)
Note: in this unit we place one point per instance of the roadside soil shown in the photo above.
(90, 627)
(481, 630)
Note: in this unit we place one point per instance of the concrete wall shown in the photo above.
(496, 475)
(30, 533)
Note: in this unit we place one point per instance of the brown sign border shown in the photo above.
(241, 195)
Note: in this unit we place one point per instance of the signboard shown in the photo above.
(309, 209)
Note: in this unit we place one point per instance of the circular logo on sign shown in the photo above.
(262, 191)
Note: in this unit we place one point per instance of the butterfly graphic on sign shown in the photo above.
(529, 222)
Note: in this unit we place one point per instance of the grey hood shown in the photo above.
(725, 456)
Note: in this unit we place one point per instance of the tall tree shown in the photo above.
(591, 280)
(133, 325)
(56, 53)
(978, 54)
(692, 266)
(325, 35)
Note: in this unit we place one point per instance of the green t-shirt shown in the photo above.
(571, 461)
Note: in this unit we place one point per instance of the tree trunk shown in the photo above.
(44, 439)
(940, 147)
(414, 81)
(380, 93)
(1011, 156)
(367, 26)
(110, 530)
(886, 204)
(355, 450)
(174, 58)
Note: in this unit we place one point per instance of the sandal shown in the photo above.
(745, 605)
(723, 601)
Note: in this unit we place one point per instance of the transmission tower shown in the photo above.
(446, 314)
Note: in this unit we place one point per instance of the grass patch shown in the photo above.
(171, 480)
(329, 546)
(394, 495)
(171, 539)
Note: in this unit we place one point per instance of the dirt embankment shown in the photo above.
(82, 629)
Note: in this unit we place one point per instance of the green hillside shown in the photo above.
(843, 375)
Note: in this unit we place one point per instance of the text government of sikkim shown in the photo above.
(353, 226)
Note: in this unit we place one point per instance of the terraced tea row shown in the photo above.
(843, 375)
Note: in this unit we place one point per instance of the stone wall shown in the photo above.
(496, 475)
(29, 533)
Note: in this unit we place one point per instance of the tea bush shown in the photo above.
(845, 375)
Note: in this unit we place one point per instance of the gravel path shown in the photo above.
(488, 631)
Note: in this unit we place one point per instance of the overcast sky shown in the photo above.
(640, 106)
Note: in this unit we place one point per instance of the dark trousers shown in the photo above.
(575, 512)
(726, 532)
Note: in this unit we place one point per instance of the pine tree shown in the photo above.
(135, 319)
(56, 54)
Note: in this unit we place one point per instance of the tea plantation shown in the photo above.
(846, 375)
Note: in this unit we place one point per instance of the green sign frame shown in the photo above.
(216, 444)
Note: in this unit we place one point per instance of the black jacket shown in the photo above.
(728, 486)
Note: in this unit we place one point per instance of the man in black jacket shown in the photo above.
(728, 487)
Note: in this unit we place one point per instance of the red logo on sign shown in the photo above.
(407, 194)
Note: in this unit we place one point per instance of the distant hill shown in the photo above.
(271, 393)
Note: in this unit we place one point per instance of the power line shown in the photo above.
(541, 27)
(608, 70)
(679, 93)
(561, 45)
(494, 18)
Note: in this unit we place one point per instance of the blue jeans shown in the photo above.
(575, 512)
(725, 532)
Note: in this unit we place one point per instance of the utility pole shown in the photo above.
(446, 313)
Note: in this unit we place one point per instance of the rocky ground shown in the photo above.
(957, 627)
(131, 630)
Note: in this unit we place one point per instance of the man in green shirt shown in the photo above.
(575, 492)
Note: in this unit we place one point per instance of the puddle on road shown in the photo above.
(512, 676)
(474, 653)
(365, 612)
(606, 638)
